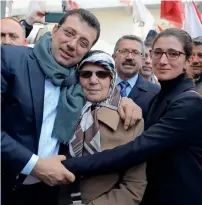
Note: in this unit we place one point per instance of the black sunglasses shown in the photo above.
(100, 74)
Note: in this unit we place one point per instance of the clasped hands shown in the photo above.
(52, 172)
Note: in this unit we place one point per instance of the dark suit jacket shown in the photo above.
(143, 93)
(22, 97)
(172, 145)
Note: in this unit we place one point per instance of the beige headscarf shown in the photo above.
(86, 139)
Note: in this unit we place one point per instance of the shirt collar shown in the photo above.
(131, 81)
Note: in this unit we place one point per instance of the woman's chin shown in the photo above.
(164, 77)
(95, 99)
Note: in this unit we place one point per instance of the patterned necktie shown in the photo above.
(123, 85)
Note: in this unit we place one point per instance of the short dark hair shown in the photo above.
(129, 37)
(148, 44)
(197, 41)
(86, 16)
(181, 35)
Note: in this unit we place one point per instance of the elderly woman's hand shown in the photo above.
(129, 112)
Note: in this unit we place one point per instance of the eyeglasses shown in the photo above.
(125, 52)
(70, 33)
(170, 54)
(88, 74)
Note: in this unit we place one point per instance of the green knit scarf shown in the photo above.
(72, 98)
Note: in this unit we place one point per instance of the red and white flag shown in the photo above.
(126, 2)
(142, 18)
(193, 21)
(173, 11)
(71, 4)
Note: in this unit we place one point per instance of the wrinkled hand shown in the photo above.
(129, 112)
(36, 16)
(52, 172)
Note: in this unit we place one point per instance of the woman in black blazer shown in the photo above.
(172, 140)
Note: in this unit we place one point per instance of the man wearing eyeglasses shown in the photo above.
(196, 64)
(128, 56)
(41, 102)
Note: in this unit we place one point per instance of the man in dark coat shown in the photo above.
(128, 54)
(196, 64)
(34, 85)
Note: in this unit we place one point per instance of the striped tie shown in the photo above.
(123, 85)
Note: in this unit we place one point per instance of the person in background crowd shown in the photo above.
(146, 71)
(196, 63)
(97, 77)
(15, 33)
(172, 141)
(36, 16)
(12, 33)
(41, 102)
(128, 54)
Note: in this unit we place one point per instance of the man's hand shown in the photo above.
(52, 172)
(129, 112)
(36, 16)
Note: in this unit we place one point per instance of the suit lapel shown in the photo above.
(140, 86)
(134, 93)
(37, 81)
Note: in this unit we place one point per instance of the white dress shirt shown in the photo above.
(48, 145)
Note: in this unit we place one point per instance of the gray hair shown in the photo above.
(130, 37)
(197, 41)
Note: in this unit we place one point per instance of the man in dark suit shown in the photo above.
(32, 86)
(12, 32)
(41, 102)
(128, 54)
(196, 63)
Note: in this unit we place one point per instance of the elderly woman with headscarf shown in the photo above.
(101, 128)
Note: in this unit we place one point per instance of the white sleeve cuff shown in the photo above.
(30, 165)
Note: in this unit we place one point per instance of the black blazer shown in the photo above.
(22, 97)
(172, 146)
(143, 93)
